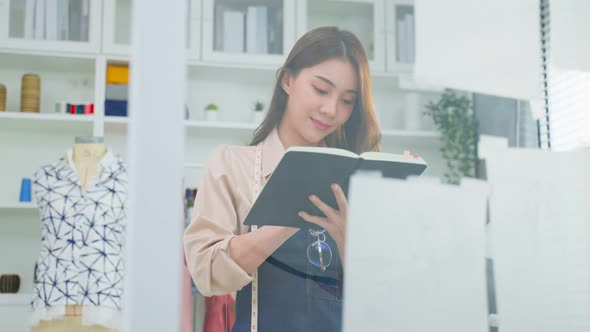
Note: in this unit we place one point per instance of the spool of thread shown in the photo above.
(30, 93)
(9, 283)
(2, 98)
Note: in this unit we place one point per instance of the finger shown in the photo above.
(340, 199)
(312, 219)
(325, 208)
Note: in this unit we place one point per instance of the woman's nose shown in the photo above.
(329, 108)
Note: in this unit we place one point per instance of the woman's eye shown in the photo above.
(320, 91)
(348, 102)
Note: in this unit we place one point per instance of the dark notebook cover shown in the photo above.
(301, 173)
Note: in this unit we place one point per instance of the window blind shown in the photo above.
(566, 125)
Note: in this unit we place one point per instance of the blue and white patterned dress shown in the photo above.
(82, 238)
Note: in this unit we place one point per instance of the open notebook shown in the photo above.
(304, 171)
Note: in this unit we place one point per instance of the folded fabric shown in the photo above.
(117, 91)
(117, 74)
(115, 107)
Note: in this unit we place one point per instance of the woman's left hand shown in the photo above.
(335, 220)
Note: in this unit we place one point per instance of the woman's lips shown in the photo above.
(318, 124)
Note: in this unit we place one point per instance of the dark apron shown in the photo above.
(293, 294)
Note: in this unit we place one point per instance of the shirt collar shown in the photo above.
(272, 152)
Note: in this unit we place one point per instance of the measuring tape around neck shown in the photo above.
(257, 187)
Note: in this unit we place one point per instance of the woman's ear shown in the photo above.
(286, 81)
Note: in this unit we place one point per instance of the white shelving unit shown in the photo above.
(401, 35)
(116, 23)
(84, 37)
(221, 30)
(363, 17)
(74, 71)
(15, 299)
(45, 121)
(14, 311)
(19, 207)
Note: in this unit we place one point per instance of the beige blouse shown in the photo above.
(225, 196)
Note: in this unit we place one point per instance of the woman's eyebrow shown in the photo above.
(332, 83)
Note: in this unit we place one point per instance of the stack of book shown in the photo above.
(257, 29)
(117, 90)
(57, 19)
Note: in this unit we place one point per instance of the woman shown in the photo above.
(322, 98)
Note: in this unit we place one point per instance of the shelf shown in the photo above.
(15, 299)
(44, 61)
(45, 121)
(18, 207)
(190, 124)
(410, 137)
(247, 129)
(221, 125)
(407, 83)
(231, 65)
(116, 119)
(220, 128)
(41, 61)
(116, 123)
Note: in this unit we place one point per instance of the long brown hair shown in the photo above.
(361, 132)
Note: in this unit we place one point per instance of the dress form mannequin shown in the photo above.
(87, 154)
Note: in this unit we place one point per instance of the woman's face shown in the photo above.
(321, 99)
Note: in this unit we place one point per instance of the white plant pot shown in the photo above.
(211, 116)
(258, 117)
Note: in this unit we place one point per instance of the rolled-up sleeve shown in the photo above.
(214, 224)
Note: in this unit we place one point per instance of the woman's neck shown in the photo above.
(290, 137)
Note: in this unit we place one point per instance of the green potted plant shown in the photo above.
(211, 111)
(258, 111)
(454, 119)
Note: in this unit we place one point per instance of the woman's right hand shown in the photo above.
(250, 250)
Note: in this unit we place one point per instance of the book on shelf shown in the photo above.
(63, 19)
(275, 31)
(256, 29)
(74, 14)
(29, 19)
(218, 27)
(262, 28)
(305, 171)
(50, 19)
(39, 20)
(410, 37)
(84, 19)
(406, 39)
(402, 55)
(233, 31)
